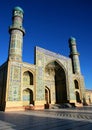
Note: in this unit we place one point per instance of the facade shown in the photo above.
(52, 79)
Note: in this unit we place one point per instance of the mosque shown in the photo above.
(52, 79)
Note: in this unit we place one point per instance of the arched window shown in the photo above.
(28, 78)
(76, 84)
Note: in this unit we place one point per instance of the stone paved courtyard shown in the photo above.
(53, 119)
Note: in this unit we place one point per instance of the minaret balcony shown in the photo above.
(74, 53)
(13, 27)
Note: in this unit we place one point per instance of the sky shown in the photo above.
(49, 24)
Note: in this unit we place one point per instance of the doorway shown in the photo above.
(27, 97)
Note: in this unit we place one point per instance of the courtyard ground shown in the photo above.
(49, 119)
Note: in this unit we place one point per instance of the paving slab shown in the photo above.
(60, 119)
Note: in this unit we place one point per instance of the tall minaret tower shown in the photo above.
(74, 55)
(17, 32)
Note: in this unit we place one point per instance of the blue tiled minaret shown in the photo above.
(74, 55)
(17, 32)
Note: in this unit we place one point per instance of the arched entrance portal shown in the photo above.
(27, 97)
(56, 77)
(60, 84)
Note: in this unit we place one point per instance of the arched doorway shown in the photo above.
(77, 97)
(56, 77)
(47, 95)
(27, 97)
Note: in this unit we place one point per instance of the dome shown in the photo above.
(17, 8)
(72, 40)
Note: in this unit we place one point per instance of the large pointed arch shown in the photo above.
(57, 61)
(58, 72)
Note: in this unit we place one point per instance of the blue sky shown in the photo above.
(49, 24)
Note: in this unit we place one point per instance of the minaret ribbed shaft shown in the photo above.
(74, 55)
(16, 35)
